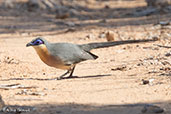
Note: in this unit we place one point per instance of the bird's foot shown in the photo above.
(71, 77)
(60, 78)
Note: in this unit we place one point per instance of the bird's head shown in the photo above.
(36, 42)
(40, 45)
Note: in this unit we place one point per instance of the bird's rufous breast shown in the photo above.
(49, 59)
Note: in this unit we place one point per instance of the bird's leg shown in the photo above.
(72, 70)
(70, 76)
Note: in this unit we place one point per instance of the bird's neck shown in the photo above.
(43, 52)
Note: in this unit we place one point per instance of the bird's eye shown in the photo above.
(38, 42)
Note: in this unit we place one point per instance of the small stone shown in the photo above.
(144, 82)
(71, 24)
(168, 54)
(110, 36)
(164, 23)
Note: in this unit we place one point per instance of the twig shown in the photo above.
(15, 86)
(163, 46)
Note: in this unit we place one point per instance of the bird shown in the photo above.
(66, 56)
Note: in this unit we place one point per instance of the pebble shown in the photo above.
(71, 24)
(110, 36)
(150, 81)
(168, 54)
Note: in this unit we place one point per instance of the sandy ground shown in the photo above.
(111, 84)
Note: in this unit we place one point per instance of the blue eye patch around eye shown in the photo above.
(38, 42)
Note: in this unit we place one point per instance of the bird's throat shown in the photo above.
(43, 53)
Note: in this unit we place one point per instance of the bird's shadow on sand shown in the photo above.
(48, 79)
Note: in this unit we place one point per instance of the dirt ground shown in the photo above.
(112, 84)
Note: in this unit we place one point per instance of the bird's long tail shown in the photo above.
(91, 46)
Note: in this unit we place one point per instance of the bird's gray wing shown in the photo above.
(70, 53)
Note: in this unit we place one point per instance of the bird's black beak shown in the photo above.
(29, 44)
